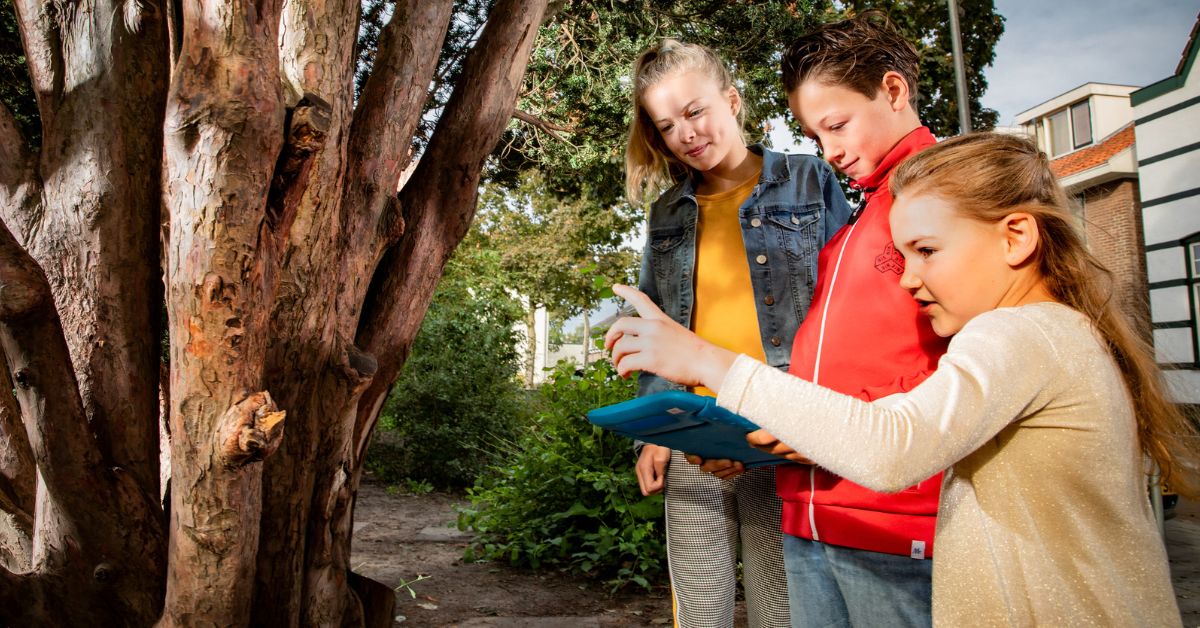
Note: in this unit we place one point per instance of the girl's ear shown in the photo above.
(1021, 236)
(735, 100)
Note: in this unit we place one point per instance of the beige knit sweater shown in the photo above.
(1044, 517)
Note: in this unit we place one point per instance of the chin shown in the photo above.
(945, 329)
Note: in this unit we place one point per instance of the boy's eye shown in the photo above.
(924, 251)
(695, 112)
(835, 127)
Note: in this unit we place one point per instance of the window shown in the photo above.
(1060, 133)
(1081, 123)
(1070, 128)
(1195, 258)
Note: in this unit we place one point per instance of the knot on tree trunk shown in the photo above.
(251, 430)
(307, 127)
(357, 368)
(391, 224)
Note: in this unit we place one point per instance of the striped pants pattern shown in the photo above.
(707, 519)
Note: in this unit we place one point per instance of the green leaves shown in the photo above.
(565, 495)
(458, 394)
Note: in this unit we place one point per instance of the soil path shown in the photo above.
(398, 538)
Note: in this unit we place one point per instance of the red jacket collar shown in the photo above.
(917, 140)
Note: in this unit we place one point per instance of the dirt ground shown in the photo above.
(399, 538)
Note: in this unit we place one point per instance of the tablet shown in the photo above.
(691, 423)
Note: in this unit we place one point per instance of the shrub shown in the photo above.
(458, 395)
(565, 494)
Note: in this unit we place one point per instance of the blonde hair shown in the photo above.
(649, 164)
(988, 176)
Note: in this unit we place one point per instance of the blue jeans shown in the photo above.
(831, 586)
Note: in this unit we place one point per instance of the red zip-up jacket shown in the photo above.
(863, 336)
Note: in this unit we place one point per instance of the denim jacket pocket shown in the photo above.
(796, 228)
(664, 246)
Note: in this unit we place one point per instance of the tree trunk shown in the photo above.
(587, 337)
(293, 276)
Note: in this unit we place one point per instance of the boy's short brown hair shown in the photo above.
(853, 53)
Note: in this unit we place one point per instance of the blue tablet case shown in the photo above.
(691, 423)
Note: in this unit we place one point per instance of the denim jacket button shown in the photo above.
(769, 300)
(795, 220)
(761, 259)
(775, 341)
(755, 223)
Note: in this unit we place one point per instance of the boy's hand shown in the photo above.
(657, 344)
(723, 469)
(652, 468)
(764, 441)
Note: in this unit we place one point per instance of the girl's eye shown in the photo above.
(925, 251)
(664, 130)
(835, 127)
(695, 112)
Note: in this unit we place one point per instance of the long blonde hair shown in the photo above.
(649, 164)
(988, 176)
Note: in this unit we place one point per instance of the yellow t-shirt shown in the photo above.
(724, 312)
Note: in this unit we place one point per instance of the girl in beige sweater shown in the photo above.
(1045, 411)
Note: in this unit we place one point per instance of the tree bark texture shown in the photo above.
(207, 158)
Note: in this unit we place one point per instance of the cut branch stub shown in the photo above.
(251, 430)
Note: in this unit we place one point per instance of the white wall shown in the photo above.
(1109, 114)
(1169, 222)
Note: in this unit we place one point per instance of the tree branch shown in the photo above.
(550, 128)
(18, 177)
(39, 21)
(32, 339)
(18, 474)
(15, 161)
(381, 133)
(440, 197)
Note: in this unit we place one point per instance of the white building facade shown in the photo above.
(1167, 125)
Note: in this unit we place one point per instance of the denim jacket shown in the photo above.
(795, 208)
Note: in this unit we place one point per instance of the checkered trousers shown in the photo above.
(707, 518)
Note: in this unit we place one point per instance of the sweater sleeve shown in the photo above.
(995, 372)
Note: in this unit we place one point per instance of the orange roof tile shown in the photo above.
(1095, 155)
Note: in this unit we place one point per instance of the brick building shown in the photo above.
(1089, 134)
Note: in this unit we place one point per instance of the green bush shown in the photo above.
(565, 494)
(458, 395)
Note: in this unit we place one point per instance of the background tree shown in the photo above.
(577, 94)
(210, 158)
(557, 250)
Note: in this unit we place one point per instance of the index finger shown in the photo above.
(640, 302)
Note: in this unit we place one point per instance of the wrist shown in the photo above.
(716, 364)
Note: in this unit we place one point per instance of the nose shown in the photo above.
(687, 133)
(833, 153)
(908, 279)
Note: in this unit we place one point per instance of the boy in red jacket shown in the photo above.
(854, 556)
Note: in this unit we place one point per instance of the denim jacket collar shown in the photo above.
(774, 170)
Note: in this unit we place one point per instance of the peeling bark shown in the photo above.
(18, 480)
(224, 124)
(293, 276)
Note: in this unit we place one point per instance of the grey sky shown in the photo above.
(1049, 48)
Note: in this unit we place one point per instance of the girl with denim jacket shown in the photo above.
(731, 253)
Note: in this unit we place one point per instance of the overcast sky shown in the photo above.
(1049, 48)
